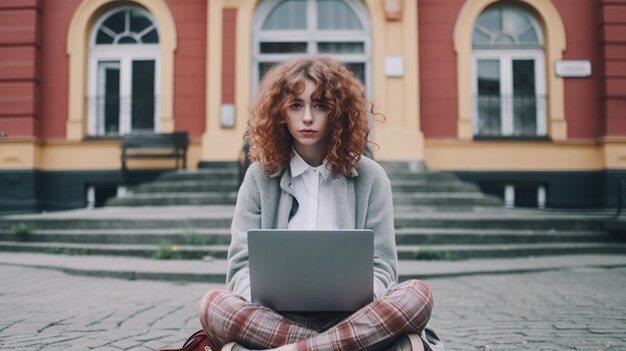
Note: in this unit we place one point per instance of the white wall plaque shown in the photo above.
(573, 68)
(394, 66)
(227, 115)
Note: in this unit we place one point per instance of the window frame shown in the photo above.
(555, 44)
(312, 36)
(125, 54)
(510, 7)
(505, 58)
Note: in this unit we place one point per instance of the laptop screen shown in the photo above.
(311, 270)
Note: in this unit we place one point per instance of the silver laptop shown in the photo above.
(311, 270)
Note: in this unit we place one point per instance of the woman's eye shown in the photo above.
(296, 106)
(320, 107)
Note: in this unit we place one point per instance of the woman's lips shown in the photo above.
(307, 132)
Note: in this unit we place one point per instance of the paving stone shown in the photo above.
(576, 309)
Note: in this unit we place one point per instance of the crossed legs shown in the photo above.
(405, 308)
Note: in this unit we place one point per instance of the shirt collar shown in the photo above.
(298, 166)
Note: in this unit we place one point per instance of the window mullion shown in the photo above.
(109, 32)
(311, 27)
(506, 94)
(540, 95)
(475, 94)
(127, 22)
(125, 95)
(92, 97)
(146, 31)
(99, 99)
(157, 97)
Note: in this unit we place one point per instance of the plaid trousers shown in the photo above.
(405, 308)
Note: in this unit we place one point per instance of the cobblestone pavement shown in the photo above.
(583, 309)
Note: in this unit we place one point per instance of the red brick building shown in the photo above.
(525, 97)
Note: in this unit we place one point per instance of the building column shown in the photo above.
(396, 81)
(228, 83)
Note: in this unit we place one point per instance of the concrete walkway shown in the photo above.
(575, 308)
(213, 271)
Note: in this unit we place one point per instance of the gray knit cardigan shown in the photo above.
(267, 202)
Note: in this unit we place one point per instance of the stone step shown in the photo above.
(453, 252)
(406, 186)
(463, 236)
(181, 236)
(188, 186)
(124, 223)
(175, 199)
(232, 185)
(221, 236)
(617, 226)
(200, 175)
(433, 177)
(445, 199)
(221, 217)
(197, 193)
(196, 197)
(230, 175)
(497, 220)
(448, 208)
(139, 250)
(399, 166)
(423, 252)
(228, 165)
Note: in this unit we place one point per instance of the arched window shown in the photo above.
(508, 73)
(285, 29)
(124, 58)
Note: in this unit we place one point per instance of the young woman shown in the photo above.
(307, 133)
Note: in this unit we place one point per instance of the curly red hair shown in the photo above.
(336, 86)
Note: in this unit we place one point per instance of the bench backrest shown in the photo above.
(178, 140)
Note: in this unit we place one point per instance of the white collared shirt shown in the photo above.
(313, 189)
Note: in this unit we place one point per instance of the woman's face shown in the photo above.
(307, 121)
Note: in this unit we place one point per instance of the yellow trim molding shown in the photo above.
(20, 153)
(451, 154)
(78, 52)
(71, 155)
(614, 150)
(554, 32)
(468, 155)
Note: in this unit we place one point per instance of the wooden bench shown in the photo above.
(155, 146)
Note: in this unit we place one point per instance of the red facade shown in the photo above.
(34, 66)
(595, 31)
(20, 59)
(437, 67)
(190, 17)
(612, 44)
(25, 53)
(229, 42)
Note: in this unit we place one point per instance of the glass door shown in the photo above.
(509, 95)
(142, 95)
(108, 97)
(489, 109)
(524, 98)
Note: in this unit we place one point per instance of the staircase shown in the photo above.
(187, 214)
(210, 186)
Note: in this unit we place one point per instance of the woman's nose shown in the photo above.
(308, 116)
